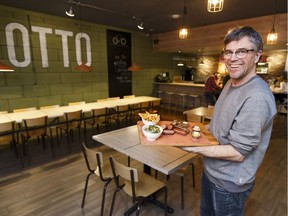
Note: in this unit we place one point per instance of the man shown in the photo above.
(242, 123)
(212, 88)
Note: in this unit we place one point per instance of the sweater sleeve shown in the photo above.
(253, 116)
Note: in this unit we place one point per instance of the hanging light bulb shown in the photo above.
(215, 5)
(273, 35)
(183, 32)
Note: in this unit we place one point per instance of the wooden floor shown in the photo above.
(54, 186)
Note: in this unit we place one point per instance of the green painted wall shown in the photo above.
(37, 86)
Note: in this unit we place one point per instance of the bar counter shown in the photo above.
(188, 88)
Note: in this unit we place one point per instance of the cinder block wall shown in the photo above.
(37, 86)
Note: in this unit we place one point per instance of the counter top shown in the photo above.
(182, 84)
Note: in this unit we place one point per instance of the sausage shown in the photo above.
(170, 127)
(180, 131)
(163, 127)
(168, 132)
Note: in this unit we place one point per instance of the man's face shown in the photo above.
(242, 69)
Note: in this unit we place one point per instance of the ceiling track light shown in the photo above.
(69, 12)
(214, 6)
(183, 32)
(141, 26)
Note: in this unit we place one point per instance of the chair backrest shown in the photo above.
(120, 169)
(73, 116)
(145, 106)
(24, 109)
(7, 132)
(156, 103)
(122, 108)
(99, 112)
(49, 107)
(76, 103)
(113, 98)
(129, 96)
(101, 100)
(3, 112)
(37, 126)
(91, 158)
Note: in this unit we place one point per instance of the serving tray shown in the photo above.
(206, 138)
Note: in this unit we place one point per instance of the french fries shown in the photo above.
(150, 117)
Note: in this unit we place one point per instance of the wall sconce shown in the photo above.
(215, 5)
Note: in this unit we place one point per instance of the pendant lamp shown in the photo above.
(134, 67)
(183, 32)
(215, 5)
(273, 35)
(5, 68)
(82, 67)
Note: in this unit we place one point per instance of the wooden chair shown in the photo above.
(98, 116)
(145, 106)
(7, 136)
(113, 98)
(73, 120)
(3, 112)
(122, 113)
(139, 185)
(24, 109)
(51, 122)
(155, 107)
(96, 166)
(34, 128)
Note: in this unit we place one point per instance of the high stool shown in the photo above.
(192, 100)
(181, 102)
(168, 100)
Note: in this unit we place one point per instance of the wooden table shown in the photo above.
(166, 159)
(203, 112)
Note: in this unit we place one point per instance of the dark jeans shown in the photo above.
(211, 98)
(216, 201)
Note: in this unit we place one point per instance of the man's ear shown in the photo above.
(258, 56)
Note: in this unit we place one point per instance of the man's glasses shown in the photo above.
(240, 53)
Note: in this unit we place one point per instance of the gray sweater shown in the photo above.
(243, 117)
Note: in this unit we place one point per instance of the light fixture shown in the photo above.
(141, 26)
(201, 57)
(134, 67)
(183, 32)
(5, 68)
(70, 12)
(83, 67)
(180, 64)
(273, 35)
(215, 5)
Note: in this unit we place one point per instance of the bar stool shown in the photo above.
(168, 100)
(181, 101)
(192, 100)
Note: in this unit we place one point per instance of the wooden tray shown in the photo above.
(206, 138)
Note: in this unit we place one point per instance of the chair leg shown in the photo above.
(85, 189)
(103, 196)
(182, 192)
(113, 201)
(193, 174)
